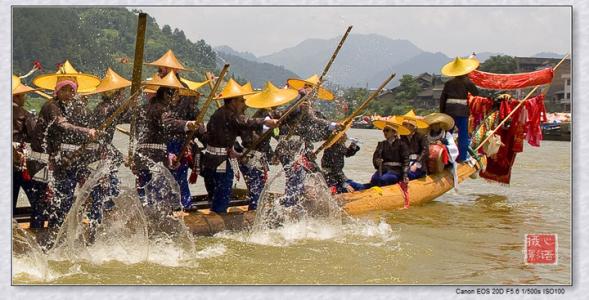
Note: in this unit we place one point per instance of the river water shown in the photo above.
(473, 236)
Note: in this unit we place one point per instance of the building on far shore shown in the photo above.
(559, 95)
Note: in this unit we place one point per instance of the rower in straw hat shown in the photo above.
(255, 165)
(25, 162)
(219, 159)
(59, 136)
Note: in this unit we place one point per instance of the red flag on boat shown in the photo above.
(511, 81)
(405, 189)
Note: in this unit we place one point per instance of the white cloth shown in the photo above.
(452, 148)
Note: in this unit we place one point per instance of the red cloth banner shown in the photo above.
(511, 81)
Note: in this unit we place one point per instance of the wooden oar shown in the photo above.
(516, 108)
(203, 110)
(48, 97)
(266, 134)
(211, 78)
(347, 122)
(136, 79)
(106, 124)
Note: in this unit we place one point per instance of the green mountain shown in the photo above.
(96, 38)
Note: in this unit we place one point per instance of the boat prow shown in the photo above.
(421, 191)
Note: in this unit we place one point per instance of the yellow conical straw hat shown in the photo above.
(85, 82)
(298, 84)
(460, 66)
(248, 87)
(168, 60)
(111, 81)
(233, 89)
(446, 122)
(194, 85)
(19, 88)
(419, 121)
(271, 96)
(170, 80)
(393, 122)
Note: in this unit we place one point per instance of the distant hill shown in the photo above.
(549, 55)
(362, 56)
(228, 50)
(256, 72)
(96, 38)
(421, 63)
(482, 56)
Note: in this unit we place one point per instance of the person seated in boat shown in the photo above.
(158, 126)
(298, 132)
(332, 164)
(255, 165)
(26, 162)
(442, 147)
(417, 145)
(219, 161)
(391, 157)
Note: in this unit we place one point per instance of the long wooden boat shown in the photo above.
(201, 221)
(421, 191)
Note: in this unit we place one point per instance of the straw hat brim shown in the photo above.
(235, 95)
(193, 85)
(466, 65)
(174, 67)
(111, 87)
(446, 122)
(23, 89)
(322, 93)
(267, 100)
(152, 89)
(85, 82)
(381, 124)
(419, 123)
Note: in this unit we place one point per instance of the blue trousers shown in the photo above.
(255, 181)
(35, 191)
(181, 173)
(65, 186)
(463, 138)
(218, 187)
(387, 178)
(357, 186)
(102, 197)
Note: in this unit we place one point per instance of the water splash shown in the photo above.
(28, 258)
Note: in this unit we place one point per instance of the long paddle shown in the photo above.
(349, 119)
(516, 108)
(201, 115)
(266, 134)
(211, 78)
(136, 80)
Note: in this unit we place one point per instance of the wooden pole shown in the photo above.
(136, 80)
(348, 120)
(211, 78)
(266, 134)
(516, 108)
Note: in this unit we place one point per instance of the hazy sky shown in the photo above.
(454, 31)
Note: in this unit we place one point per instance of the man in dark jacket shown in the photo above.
(332, 164)
(391, 157)
(453, 100)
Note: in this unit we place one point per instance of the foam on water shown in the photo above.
(212, 251)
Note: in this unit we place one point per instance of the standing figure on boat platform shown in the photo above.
(219, 159)
(111, 90)
(442, 148)
(391, 157)
(453, 100)
(255, 166)
(417, 145)
(301, 129)
(57, 135)
(157, 127)
(26, 162)
(332, 165)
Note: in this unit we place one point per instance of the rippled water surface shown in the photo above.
(473, 236)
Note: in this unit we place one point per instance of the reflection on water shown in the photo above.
(475, 236)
